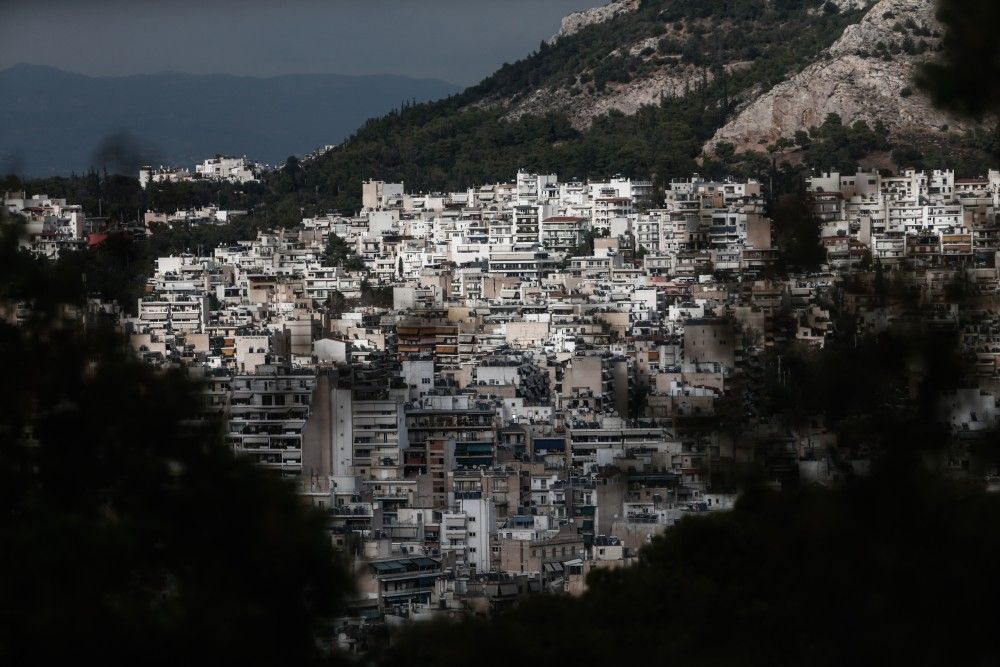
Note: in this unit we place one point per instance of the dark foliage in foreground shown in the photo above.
(131, 534)
(130, 531)
(966, 78)
(895, 568)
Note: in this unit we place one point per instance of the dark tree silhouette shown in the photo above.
(896, 567)
(129, 530)
(966, 76)
(797, 230)
(340, 253)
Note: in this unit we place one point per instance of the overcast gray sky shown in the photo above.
(456, 40)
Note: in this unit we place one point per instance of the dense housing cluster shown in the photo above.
(494, 391)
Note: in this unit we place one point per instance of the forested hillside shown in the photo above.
(528, 114)
(737, 47)
(554, 111)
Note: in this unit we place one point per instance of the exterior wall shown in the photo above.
(709, 342)
(531, 555)
(526, 334)
(586, 374)
(759, 232)
(481, 525)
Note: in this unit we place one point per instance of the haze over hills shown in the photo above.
(57, 122)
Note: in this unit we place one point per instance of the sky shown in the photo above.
(459, 41)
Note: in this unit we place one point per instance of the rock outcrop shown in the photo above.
(576, 21)
(867, 74)
(627, 98)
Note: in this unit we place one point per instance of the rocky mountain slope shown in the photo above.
(663, 50)
(865, 75)
(576, 21)
(641, 88)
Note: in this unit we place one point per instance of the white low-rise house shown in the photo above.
(232, 169)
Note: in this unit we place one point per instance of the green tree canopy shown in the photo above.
(340, 253)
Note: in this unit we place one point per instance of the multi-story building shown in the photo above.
(265, 414)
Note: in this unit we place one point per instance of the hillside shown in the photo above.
(865, 75)
(641, 88)
(628, 54)
(657, 89)
(56, 122)
(566, 107)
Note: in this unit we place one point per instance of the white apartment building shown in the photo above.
(467, 531)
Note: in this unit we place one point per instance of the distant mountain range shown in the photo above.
(54, 122)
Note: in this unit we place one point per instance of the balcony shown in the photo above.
(352, 510)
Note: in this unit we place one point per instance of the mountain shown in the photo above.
(867, 74)
(576, 21)
(669, 49)
(644, 88)
(652, 88)
(57, 122)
